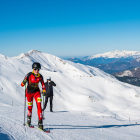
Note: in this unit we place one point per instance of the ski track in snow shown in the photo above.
(66, 125)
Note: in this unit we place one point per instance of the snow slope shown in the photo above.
(79, 89)
(68, 126)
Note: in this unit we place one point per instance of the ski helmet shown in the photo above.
(36, 65)
(48, 78)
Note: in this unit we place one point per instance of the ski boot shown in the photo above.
(29, 121)
(40, 124)
(51, 110)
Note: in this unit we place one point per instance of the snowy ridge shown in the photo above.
(116, 54)
(85, 99)
(26, 54)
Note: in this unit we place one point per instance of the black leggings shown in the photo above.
(46, 101)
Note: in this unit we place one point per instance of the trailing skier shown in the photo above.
(49, 93)
(33, 78)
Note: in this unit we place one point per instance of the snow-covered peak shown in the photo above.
(34, 51)
(117, 54)
(27, 54)
(50, 63)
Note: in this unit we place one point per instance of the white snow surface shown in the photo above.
(116, 54)
(88, 103)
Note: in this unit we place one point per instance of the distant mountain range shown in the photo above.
(112, 62)
(120, 65)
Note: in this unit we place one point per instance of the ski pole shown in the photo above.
(43, 107)
(25, 106)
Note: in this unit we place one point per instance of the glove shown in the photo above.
(44, 92)
(24, 81)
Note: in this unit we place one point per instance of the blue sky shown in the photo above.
(67, 28)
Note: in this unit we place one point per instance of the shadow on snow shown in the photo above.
(4, 135)
(51, 127)
(57, 111)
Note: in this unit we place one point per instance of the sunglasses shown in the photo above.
(37, 69)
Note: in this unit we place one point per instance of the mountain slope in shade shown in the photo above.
(130, 80)
(131, 76)
(131, 73)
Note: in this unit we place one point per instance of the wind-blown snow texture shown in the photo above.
(88, 103)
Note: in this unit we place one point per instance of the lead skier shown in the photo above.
(33, 78)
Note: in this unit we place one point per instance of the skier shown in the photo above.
(49, 93)
(33, 78)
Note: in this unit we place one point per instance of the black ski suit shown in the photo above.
(49, 93)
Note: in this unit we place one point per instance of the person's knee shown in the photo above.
(39, 100)
(30, 104)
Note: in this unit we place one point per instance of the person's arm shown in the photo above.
(25, 80)
(43, 84)
(53, 84)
